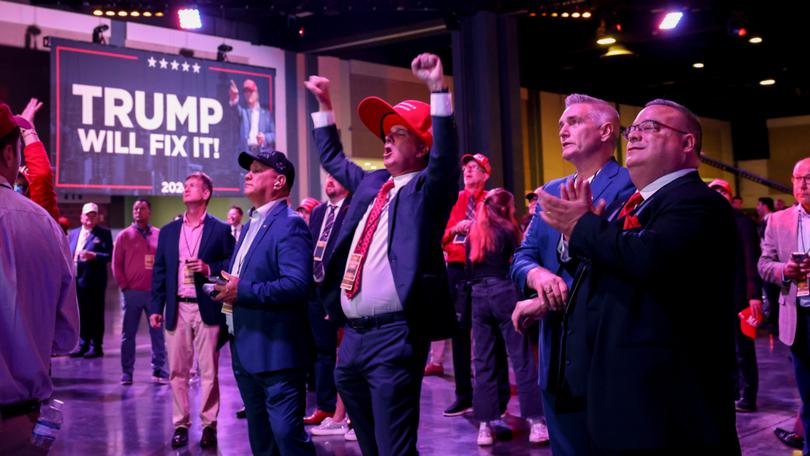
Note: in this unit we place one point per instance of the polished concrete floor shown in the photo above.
(102, 417)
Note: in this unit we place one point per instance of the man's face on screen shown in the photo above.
(250, 92)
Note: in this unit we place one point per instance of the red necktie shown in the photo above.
(368, 233)
(631, 221)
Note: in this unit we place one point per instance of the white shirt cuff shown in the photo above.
(441, 104)
(323, 118)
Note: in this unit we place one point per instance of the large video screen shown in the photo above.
(129, 122)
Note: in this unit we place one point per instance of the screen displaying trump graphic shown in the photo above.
(132, 122)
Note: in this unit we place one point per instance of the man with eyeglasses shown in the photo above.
(266, 296)
(387, 272)
(589, 129)
(785, 262)
(656, 365)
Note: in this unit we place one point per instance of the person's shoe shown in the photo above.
(484, 435)
(94, 353)
(160, 377)
(180, 437)
(538, 432)
(434, 369)
(209, 437)
(790, 439)
(241, 413)
(79, 352)
(458, 408)
(126, 379)
(317, 417)
(350, 435)
(330, 427)
(745, 406)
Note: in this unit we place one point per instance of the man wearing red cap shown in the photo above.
(387, 266)
(38, 311)
(256, 126)
(747, 294)
(476, 171)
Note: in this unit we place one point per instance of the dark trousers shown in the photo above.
(800, 351)
(135, 303)
(379, 376)
(324, 334)
(568, 431)
(462, 356)
(274, 403)
(493, 300)
(91, 316)
(747, 367)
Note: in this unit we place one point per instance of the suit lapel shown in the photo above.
(208, 227)
(792, 231)
(603, 179)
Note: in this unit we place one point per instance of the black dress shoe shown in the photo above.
(94, 353)
(180, 437)
(745, 406)
(459, 408)
(79, 352)
(790, 439)
(209, 437)
(241, 413)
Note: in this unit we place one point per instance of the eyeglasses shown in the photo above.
(648, 126)
(802, 179)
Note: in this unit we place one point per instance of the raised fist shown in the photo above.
(319, 86)
(428, 68)
(233, 91)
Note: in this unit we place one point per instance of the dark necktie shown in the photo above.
(317, 266)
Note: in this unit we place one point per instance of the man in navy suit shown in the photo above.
(91, 246)
(324, 224)
(653, 360)
(256, 126)
(267, 290)
(190, 249)
(387, 271)
(589, 130)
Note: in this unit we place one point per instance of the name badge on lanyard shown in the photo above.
(188, 275)
(320, 248)
(351, 272)
(148, 261)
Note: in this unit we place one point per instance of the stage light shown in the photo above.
(532, 14)
(147, 14)
(159, 14)
(755, 40)
(586, 15)
(122, 13)
(697, 65)
(109, 13)
(670, 20)
(189, 18)
(98, 12)
(575, 15)
(565, 14)
(767, 82)
(741, 32)
(135, 14)
(554, 14)
(606, 41)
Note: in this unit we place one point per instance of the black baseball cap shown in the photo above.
(271, 158)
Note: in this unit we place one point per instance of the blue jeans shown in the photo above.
(133, 304)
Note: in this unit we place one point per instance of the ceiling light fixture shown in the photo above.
(670, 20)
(697, 65)
(755, 40)
(767, 82)
(606, 41)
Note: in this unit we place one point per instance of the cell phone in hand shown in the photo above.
(798, 257)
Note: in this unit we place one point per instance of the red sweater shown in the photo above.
(455, 252)
(39, 174)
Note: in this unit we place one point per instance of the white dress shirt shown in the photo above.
(39, 314)
(257, 217)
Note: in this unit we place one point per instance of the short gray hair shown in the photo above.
(604, 112)
(692, 122)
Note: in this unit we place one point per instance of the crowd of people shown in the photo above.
(362, 292)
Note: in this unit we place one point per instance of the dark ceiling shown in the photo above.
(557, 54)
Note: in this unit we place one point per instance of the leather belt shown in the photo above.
(184, 299)
(375, 321)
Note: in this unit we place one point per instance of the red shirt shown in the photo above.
(133, 258)
(39, 174)
(455, 252)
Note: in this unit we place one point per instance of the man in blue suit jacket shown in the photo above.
(324, 224)
(188, 251)
(267, 290)
(387, 271)
(256, 126)
(91, 246)
(589, 129)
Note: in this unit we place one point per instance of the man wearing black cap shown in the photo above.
(266, 297)
(387, 271)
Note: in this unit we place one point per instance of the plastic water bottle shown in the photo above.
(48, 424)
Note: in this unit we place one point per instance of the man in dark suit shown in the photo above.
(324, 224)
(190, 249)
(267, 290)
(91, 246)
(387, 266)
(589, 129)
(256, 126)
(652, 359)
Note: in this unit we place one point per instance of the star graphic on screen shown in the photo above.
(163, 63)
(196, 68)
(185, 66)
(151, 61)
(175, 65)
